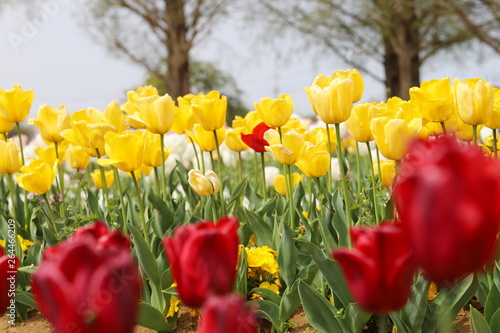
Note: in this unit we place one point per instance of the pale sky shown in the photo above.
(52, 55)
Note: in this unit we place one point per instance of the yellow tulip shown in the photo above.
(393, 136)
(474, 100)
(152, 150)
(494, 121)
(5, 125)
(96, 178)
(315, 160)
(114, 116)
(88, 128)
(48, 154)
(204, 184)
(37, 177)
(51, 122)
(319, 135)
(15, 104)
(156, 113)
(144, 170)
(184, 119)
(205, 139)
(359, 84)
(388, 169)
(275, 112)
(289, 150)
(77, 157)
(280, 184)
(435, 99)
(210, 110)
(358, 124)
(125, 150)
(233, 140)
(10, 160)
(130, 106)
(331, 98)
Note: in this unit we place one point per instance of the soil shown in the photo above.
(187, 324)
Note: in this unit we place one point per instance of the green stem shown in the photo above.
(343, 179)
(202, 162)
(240, 167)
(495, 150)
(212, 160)
(214, 209)
(196, 155)
(263, 165)
(60, 171)
(329, 173)
(103, 183)
(50, 216)
(443, 126)
(221, 178)
(163, 181)
(122, 199)
(157, 182)
(141, 207)
(379, 167)
(18, 127)
(374, 189)
(358, 166)
(382, 324)
(474, 134)
(291, 207)
(12, 196)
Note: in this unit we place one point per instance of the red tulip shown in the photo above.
(256, 140)
(88, 285)
(447, 197)
(227, 314)
(203, 257)
(379, 269)
(8, 271)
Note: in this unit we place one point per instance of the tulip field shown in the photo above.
(369, 217)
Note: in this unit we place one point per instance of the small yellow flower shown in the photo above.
(204, 184)
(10, 160)
(262, 257)
(432, 291)
(174, 304)
(51, 122)
(15, 104)
(96, 178)
(125, 150)
(210, 110)
(275, 112)
(37, 177)
(270, 286)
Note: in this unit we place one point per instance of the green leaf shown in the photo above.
(319, 312)
(268, 310)
(238, 192)
(261, 230)
(94, 204)
(356, 317)
(242, 274)
(413, 314)
(290, 301)
(495, 321)
(492, 302)
(146, 259)
(449, 301)
(478, 322)
(151, 318)
(49, 236)
(26, 298)
(165, 216)
(331, 272)
(340, 220)
(399, 323)
(287, 258)
(267, 294)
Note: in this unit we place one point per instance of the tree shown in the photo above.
(152, 32)
(205, 77)
(399, 34)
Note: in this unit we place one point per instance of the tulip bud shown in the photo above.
(377, 290)
(207, 184)
(203, 258)
(85, 281)
(223, 314)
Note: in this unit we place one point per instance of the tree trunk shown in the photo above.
(402, 46)
(177, 79)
